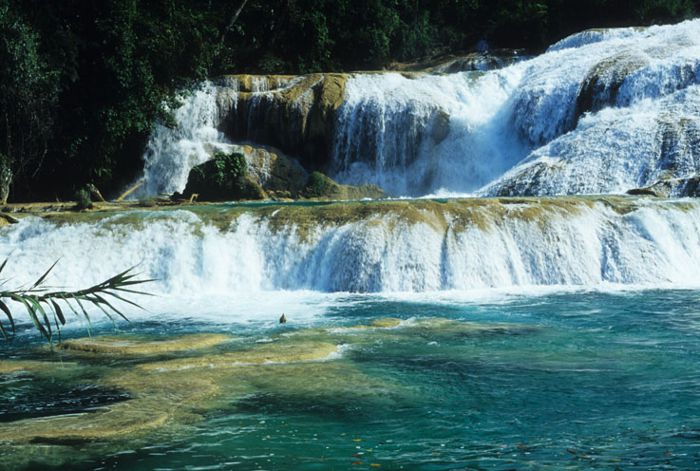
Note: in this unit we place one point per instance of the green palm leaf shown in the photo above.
(36, 297)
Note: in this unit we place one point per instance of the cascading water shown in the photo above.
(426, 246)
(196, 136)
(602, 111)
(570, 109)
(413, 136)
(418, 334)
(172, 152)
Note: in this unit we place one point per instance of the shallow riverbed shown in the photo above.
(577, 379)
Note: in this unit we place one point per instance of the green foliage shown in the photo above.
(28, 95)
(228, 167)
(45, 307)
(83, 200)
(319, 186)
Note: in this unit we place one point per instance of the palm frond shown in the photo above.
(44, 306)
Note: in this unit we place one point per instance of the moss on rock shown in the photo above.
(166, 396)
(279, 352)
(31, 366)
(320, 186)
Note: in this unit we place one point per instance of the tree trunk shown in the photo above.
(234, 18)
(5, 178)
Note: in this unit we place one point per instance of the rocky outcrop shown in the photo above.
(248, 172)
(472, 62)
(278, 175)
(294, 114)
(223, 178)
(602, 84)
(671, 187)
(614, 151)
(320, 186)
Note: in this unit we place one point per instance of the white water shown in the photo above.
(615, 150)
(646, 89)
(523, 129)
(413, 136)
(576, 245)
(172, 152)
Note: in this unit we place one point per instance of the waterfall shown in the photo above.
(421, 246)
(416, 135)
(171, 152)
(602, 111)
(599, 99)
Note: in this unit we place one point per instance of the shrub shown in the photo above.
(319, 186)
(82, 199)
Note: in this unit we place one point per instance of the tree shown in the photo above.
(28, 98)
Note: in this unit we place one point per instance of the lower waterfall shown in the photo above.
(417, 246)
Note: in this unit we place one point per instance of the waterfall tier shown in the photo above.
(603, 111)
(408, 246)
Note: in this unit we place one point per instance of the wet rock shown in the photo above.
(223, 178)
(297, 115)
(671, 187)
(276, 352)
(157, 400)
(277, 174)
(164, 395)
(472, 62)
(320, 186)
(440, 127)
(386, 323)
(602, 84)
(30, 366)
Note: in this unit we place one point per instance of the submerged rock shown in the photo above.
(277, 352)
(164, 394)
(429, 327)
(303, 369)
(30, 366)
(127, 346)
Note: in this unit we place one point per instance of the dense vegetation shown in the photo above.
(81, 83)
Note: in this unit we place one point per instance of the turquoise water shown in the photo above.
(576, 381)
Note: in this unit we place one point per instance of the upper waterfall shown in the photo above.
(602, 111)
